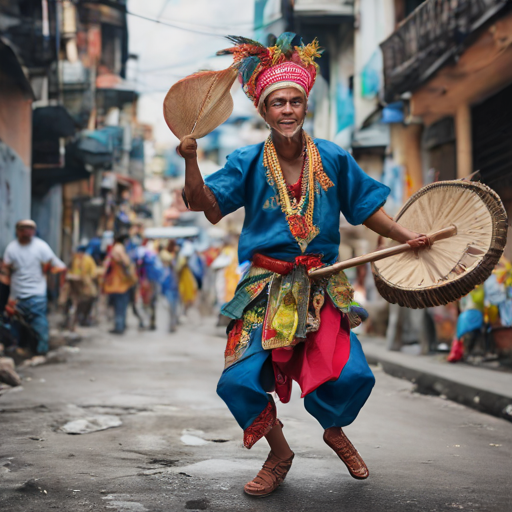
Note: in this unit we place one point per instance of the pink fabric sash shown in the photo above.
(319, 359)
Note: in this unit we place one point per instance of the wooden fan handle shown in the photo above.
(380, 255)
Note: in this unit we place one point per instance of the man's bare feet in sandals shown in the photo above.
(270, 477)
(340, 443)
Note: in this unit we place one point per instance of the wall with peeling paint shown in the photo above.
(47, 212)
(14, 193)
(15, 146)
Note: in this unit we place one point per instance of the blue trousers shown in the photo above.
(244, 387)
(120, 302)
(173, 298)
(34, 310)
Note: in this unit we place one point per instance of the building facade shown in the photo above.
(84, 144)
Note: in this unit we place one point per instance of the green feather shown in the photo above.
(287, 41)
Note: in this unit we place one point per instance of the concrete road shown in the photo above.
(179, 449)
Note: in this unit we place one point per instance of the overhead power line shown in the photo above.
(223, 29)
(172, 25)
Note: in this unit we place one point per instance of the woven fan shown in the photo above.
(199, 103)
(467, 224)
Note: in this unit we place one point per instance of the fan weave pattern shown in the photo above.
(196, 105)
(453, 267)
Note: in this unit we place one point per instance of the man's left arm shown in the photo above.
(385, 226)
(362, 198)
(50, 261)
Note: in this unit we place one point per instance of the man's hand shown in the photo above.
(419, 241)
(188, 148)
(415, 240)
(384, 225)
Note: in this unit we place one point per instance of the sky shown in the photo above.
(167, 54)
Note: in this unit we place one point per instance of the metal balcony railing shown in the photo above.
(429, 37)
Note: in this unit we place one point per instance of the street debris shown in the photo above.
(201, 504)
(7, 373)
(31, 487)
(91, 424)
(60, 355)
(121, 504)
(33, 361)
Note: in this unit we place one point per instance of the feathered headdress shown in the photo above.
(199, 103)
(289, 60)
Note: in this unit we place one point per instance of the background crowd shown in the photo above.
(107, 276)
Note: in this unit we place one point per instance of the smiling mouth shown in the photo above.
(287, 122)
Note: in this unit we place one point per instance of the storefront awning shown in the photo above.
(49, 126)
(74, 169)
(374, 136)
(391, 113)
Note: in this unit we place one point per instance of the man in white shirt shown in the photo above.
(28, 259)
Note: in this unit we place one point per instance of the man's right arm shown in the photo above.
(197, 195)
(6, 268)
(5, 273)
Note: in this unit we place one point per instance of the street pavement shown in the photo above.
(177, 447)
(484, 389)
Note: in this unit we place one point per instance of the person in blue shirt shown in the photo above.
(285, 326)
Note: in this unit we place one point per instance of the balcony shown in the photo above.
(432, 35)
(323, 8)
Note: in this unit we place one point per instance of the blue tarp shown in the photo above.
(393, 113)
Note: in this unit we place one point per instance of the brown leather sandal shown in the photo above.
(345, 450)
(270, 477)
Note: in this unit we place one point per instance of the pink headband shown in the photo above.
(290, 74)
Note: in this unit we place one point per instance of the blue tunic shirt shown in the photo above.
(243, 183)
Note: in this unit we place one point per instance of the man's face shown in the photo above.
(25, 234)
(285, 110)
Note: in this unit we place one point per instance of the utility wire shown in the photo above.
(181, 64)
(214, 27)
(185, 29)
(120, 7)
(124, 9)
(167, 24)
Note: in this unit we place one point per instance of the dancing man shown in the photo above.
(285, 326)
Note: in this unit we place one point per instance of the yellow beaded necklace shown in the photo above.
(299, 215)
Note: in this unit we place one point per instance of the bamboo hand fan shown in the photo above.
(199, 103)
(467, 224)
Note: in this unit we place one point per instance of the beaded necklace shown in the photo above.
(299, 214)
